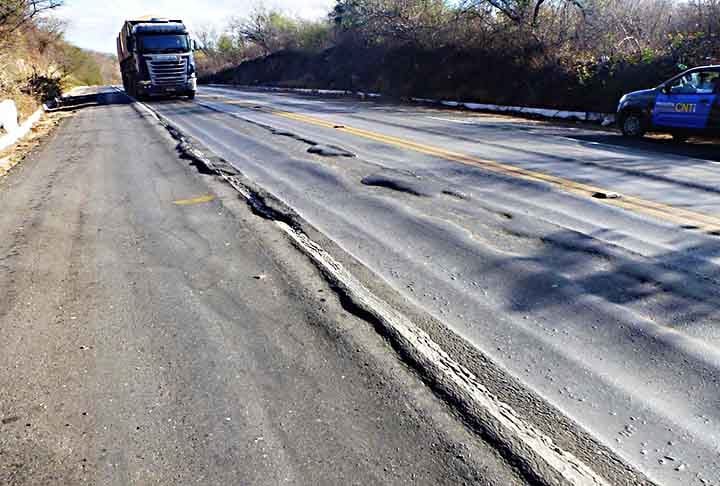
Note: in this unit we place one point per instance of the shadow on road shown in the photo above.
(707, 149)
(680, 287)
(99, 98)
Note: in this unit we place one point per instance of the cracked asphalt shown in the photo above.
(597, 316)
(154, 331)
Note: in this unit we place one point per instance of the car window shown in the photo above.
(699, 82)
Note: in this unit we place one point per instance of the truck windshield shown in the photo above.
(164, 43)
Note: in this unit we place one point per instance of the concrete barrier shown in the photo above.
(589, 116)
(8, 116)
(16, 132)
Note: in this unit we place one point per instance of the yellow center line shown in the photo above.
(672, 214)
(194, 200)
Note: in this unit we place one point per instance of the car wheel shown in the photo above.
(191, 95)
(633, 125)
(679, 138)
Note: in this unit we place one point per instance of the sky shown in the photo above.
(94, 24)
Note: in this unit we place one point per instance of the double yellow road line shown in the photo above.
(671, 214)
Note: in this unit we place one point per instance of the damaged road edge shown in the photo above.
(534, 453)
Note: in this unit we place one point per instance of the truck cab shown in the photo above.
(685, 105)
(156, 58)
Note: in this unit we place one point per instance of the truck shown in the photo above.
(156, 58)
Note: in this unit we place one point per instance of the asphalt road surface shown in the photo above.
(583, 265)
(154, 331)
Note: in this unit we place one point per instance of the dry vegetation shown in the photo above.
(558, 53)
(36, 63)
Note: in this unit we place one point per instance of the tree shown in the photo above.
(522, 13)
(15, 13)
(422, 22)
(271, 30)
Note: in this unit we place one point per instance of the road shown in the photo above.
(156, 331)
(583, 266)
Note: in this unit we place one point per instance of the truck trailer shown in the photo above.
(156, 58)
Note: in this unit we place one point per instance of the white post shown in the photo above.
(8, 116)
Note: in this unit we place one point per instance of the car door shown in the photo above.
(687, 101)
(714, 118)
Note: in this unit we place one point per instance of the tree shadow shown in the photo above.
(681, 285)
(700, 148)
(101, 97)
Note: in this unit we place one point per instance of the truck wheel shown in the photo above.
(633, 125)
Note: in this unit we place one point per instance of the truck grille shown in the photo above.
(168, 72)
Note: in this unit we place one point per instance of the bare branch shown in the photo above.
(16, 13)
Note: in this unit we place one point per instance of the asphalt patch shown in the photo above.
(330, 151)
(285, 133)
(395, 183)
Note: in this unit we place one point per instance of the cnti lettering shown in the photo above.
(685, 107)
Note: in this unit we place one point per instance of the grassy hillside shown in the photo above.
(37, 64)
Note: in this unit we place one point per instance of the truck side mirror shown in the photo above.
(194, 45)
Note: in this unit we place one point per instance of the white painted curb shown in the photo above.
(590, 116)
(335, 92)
(22, 130)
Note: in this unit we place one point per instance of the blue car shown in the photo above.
(686, 105)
